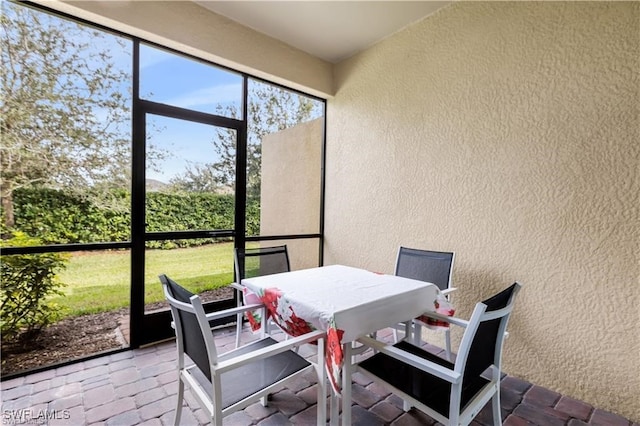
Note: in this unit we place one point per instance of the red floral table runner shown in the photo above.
(345, 302)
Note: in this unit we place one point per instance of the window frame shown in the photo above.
(139, 325)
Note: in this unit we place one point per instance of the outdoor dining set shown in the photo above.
(338, 310)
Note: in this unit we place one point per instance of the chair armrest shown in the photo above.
(234, 311)
(236, 286)
(285, 345)
(451, 320)
(448, 290)
(444, 373)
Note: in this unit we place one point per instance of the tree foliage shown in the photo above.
(65, 106)
(270, 109)
(65, 114)
(27, 282)
(61, 217)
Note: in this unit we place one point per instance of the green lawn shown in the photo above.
(100, 281)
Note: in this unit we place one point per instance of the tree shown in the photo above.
(197, 178)
(65, 108)
(270, 109)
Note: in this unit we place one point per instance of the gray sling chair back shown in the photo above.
(435, 267)
(225, 383)
(254, 262)
(451, 393)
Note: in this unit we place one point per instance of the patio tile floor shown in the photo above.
(138, 387)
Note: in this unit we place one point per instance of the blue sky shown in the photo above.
(166, 78)
(175, 80)
(180, 81)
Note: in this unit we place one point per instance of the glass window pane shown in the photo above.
(204, 268)
(303, 253)
(184, 189)
(66, 142)
(284, 159)
(171, 79)
(93, 308)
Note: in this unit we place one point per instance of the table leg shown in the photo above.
(346, 384)
(322, 385)
(417, 334)
(334, 411)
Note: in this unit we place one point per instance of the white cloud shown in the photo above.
(220, 94)
(150, 56)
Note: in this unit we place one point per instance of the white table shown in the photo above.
(345, 302)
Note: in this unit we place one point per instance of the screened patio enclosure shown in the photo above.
(503, 131)
(163, 165)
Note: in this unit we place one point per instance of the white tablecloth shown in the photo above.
(345, 302)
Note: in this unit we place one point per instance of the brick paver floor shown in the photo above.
(138, 387)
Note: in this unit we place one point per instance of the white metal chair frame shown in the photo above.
(240, 272)
(416, 326)
(210, 395)
(454, 375)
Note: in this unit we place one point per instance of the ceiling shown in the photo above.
(330, 30)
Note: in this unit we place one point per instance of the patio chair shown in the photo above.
(255, 262)
(225, 383)
(435, 267)
(451, 393)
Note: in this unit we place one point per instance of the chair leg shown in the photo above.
(238, 329)
(180, 396)
(447, 342)
(239, 318)
(374, 335)
(216, 419)
(417, 334)
(495, 406)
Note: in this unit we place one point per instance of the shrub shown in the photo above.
(59, 217)
(28, 280)
(62, 217)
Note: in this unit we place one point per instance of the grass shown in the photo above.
(101, 281)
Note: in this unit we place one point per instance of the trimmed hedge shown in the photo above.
(63, 217)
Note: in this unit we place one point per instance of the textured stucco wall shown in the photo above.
(190, 28)
(505, 131)
(290, 189)
(509, 133)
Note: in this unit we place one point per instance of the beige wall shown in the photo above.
(505, 131)
(192, 29)
(509, 133)
(290, 189)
